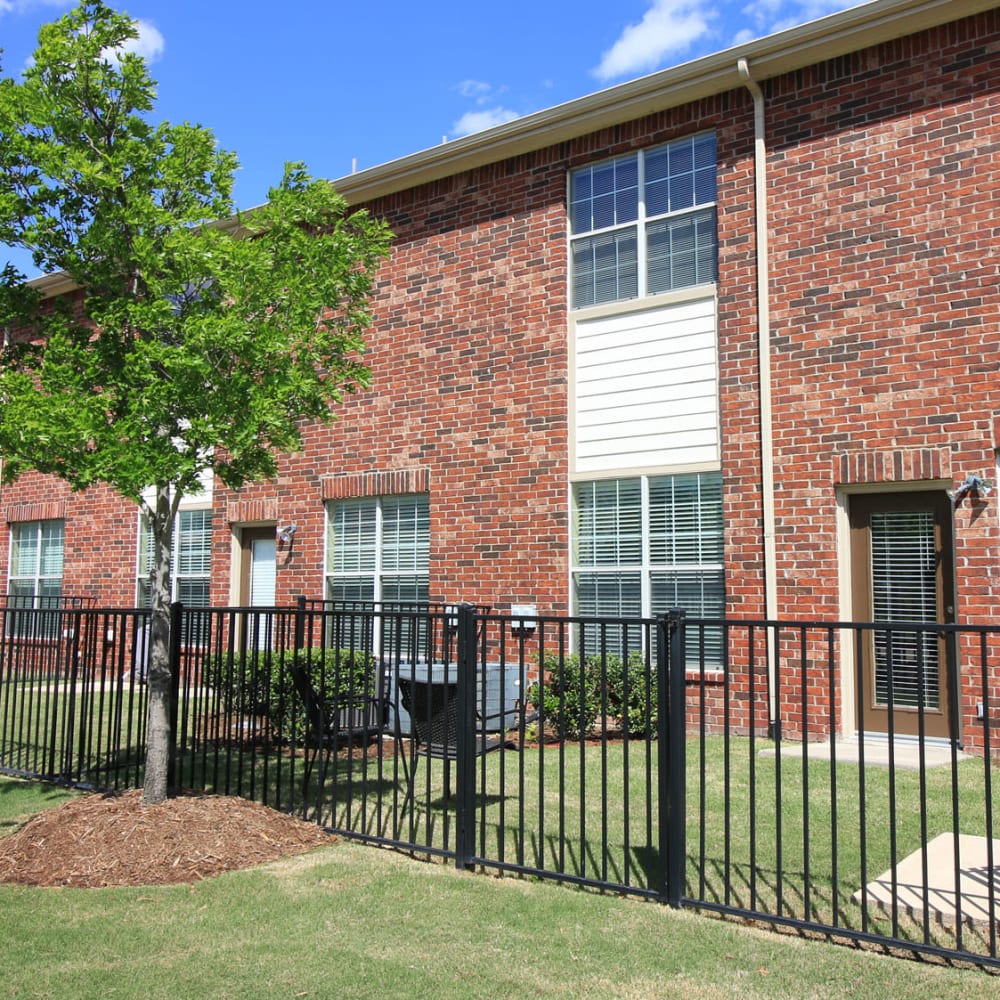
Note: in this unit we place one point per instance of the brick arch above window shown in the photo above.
(900, 466)
(396, 482)
(51, 510)
(251, 511)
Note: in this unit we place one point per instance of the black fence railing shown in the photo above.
(705, 763)
(33, 627)
(72, 708)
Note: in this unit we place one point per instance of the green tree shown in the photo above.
(201, 344)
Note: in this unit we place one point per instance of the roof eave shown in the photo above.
(795, 48)
(826, 38)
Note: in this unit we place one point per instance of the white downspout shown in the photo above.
(6, 344)
(764, 354)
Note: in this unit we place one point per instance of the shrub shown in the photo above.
(570, 697)
(637, 705)
(260, 682)
(242, 680)
(341, 679)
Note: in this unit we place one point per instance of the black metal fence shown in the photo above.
(699, 763)
(72, 706)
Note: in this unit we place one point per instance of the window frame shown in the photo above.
(178, 577)
(380, 569)
(46, 627)
(37, 577)
(646, 218)
(642, 539)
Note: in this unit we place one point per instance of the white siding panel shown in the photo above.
(626, 420)
(624, 376)
(646, 388)
(698, 384)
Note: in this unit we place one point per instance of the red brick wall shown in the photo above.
(470, 359)
(885, 298)
(100, 536)
(882, 179)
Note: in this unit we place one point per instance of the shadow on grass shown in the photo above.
(794, 896)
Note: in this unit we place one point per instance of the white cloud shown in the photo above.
(764, 17)
(489, 110)
(476, 121)
(25, 6)
(150, 43)
(668, 27)
(474, 88)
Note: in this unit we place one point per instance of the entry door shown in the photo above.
(257, 579)
(902, 571)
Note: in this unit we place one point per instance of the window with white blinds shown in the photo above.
(644, 223)
(378, 549)
(36, 563)
(191, 563)
(904, 589)
(644, 545)
(35, 577)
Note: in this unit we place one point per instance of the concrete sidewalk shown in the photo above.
(906, 752)
(946, 899)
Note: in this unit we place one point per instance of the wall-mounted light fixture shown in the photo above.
(977, 486)
(286, 534)
(523, 619)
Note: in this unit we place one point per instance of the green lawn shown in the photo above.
(792, 849)
(360, 922)
(802, 851)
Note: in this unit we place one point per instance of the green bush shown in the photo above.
(568, 697)
(637, 711)
(340, 679)
(263, 683)
(571, 698)
(242, 681)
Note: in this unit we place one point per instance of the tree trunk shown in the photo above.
(159, 738)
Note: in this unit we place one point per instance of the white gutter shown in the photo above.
(825, 38)
(764, 361)
(828, 37)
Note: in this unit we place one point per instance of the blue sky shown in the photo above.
(338, 84)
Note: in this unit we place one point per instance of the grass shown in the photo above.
(788, 837)
(357, 921)
(798, 847)
(86, 731)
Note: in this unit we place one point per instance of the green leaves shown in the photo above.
(192, 343)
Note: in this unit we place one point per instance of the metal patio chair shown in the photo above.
(433, 709)
(358, 720)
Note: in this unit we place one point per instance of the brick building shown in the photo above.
(722, 337)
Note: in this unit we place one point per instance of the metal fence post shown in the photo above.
(465, 767)
(954, 688)
(662, 751)
(300, 621)
(672, 754)
(72, 675)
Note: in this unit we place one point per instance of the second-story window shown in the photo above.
(644, 223)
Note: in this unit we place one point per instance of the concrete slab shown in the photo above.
(906, 753)
(974, 877)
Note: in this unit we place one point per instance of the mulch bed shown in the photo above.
(103, 840)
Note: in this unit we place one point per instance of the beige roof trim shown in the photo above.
(836, 35)
(58, 283)
(826, 38)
